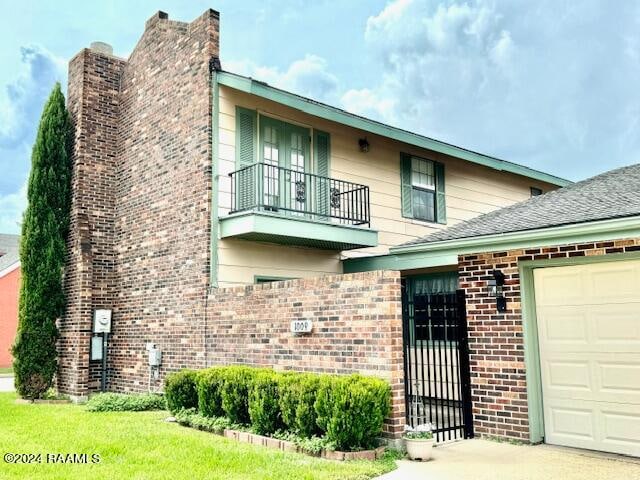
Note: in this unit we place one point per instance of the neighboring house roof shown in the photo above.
(318, 109)
(9, 252)
(614, 194)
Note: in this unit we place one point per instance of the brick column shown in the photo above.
(89, 283)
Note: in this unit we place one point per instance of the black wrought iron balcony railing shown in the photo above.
(271, 188)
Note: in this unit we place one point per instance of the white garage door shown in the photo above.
(589, 335)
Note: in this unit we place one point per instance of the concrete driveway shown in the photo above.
(6, 383)
(487, 460)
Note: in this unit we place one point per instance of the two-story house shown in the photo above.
(211, 210)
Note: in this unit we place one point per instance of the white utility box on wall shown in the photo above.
(155, 357)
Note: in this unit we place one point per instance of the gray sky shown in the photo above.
(548, 84)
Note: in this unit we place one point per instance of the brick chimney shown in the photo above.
(140, 198)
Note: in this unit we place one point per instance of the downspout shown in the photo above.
(214, 67)
(215, 176)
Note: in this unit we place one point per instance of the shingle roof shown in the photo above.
(9, 250)
(613, 194)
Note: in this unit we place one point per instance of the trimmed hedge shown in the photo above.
(234, 390)
(122, 402)
(345, 411)
(298, 392)
(181, 390)
(353, 410)
(208, 386)
(264, 410)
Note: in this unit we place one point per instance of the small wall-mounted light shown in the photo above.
(495, 288)
(364, 145)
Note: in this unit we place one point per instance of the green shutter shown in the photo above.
(405, 182)
(323, 145)
(441, 207)
(246, 140)
(322, 154)
(246, 128)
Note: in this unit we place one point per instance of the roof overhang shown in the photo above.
(321, 110)
(9, 269)
(425, 255)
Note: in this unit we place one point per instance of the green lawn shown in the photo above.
(6, 370)
(143, 446)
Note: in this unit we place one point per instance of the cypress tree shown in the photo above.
(42, 251)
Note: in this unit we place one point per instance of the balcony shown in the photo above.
(273, 204)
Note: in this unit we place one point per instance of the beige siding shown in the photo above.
(240, 261)
(470, 191)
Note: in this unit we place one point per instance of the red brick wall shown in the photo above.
(139, 237)
(9, 291)
(89, 273)
(164, 199)
(498, 374)
(357, 327)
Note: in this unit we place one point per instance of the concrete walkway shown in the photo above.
(487, 460)
(6, 383)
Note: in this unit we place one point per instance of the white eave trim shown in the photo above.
(624, 227)
(9, 269)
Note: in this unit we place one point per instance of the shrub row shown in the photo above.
(347, 410)
(121, 402)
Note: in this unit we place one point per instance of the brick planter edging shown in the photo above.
(24, 401)
(287, 446)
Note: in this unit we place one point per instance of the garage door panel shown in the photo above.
(589, 328)
(619, 381)
(561, 325)
(588, 320)
(593, 425)
(612, 282)
(621, 431)
(592, 376)
(567, 378)
(553, 290)
(617, 324)
(570, 422)
(599, 283)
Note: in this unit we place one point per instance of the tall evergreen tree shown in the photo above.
(42, 251)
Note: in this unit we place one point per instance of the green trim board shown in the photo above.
(446, 252)
(531, 355)
(411, 261)
(530, 330)
(266, 227)
(612, 228)
(270, 278)
(261, 89)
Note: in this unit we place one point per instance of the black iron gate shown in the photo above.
(436, 363)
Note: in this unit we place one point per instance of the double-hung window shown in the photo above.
(423, 189)
(422, 183)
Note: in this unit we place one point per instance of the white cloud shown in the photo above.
(308, 76)
(548, 83)
(11, 208)
(21, 103)
(24, 96)
(501, 53)
(540, 83)
(368, 103)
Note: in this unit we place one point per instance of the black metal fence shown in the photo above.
(266, 187)
(436, 363)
